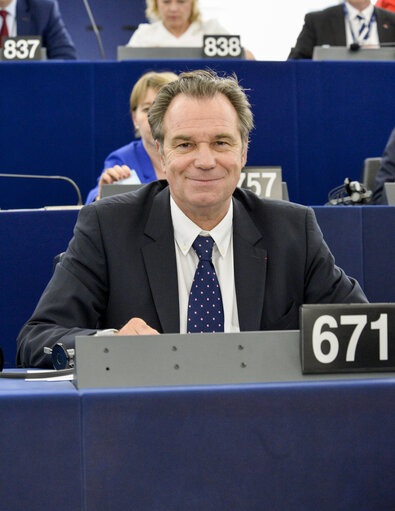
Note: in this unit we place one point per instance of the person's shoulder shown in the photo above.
(147, 28)
(141, 35)
(325, 13)
(137, 201)
(385, 14)
(212, 26)
(125, 149)
(40, 4)
(257, 205)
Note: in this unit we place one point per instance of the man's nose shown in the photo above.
(205, 158)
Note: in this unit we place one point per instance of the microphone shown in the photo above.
(349, 194)
(62, 178)
(95, 29)
(355, 46)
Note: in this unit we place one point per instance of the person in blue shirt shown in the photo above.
(139, 161)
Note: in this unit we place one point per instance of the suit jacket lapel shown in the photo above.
(160, 261)
(23, 18)
(250, 268)
(386, 34)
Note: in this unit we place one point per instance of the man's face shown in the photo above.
(202, 156)
(359, 4)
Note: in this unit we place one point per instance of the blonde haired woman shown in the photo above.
(138, 161)
(175, 23)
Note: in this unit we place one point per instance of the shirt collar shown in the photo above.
(185, 231)
(11, 8)
(367, 12)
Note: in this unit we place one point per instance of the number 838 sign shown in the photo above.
(347, 338)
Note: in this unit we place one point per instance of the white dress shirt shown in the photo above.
(11, 18)
(155, 34)
(185, 232)
(353, 26)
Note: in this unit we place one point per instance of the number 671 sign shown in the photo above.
(348, 337)
(264, 181)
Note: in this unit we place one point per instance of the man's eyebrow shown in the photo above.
(224, 135)
(181, 138)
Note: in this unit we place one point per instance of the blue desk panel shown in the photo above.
(48, 130)
(379, 252)
(339, 108)
(40, 446)
(307, 446)
(29, 242)
(342, 229)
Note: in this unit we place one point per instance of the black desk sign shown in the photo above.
(264, 181)
(222, 47)
(21, 48)
(338, 338)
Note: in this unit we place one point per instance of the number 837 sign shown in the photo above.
(347, 338)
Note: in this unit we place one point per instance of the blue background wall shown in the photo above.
(116, 21)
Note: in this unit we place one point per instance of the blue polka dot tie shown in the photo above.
(205, 310)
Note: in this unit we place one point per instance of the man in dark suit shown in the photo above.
(39, 17)
(386, 172)
(131, 263)
(340, 26)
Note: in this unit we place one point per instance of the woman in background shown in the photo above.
(138, 161)
(175, 23)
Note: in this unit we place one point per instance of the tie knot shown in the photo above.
(203, 246)
(3, 14)
(360, 17)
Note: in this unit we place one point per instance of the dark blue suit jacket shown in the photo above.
(328, 27)
(121, 264)
(386, 173)
(42, 17)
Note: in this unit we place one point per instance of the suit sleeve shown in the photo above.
(324, 281)
(306, 41)
(386, 173)
(73, 301)
(56, 38)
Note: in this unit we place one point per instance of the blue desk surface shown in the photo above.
(295, 446)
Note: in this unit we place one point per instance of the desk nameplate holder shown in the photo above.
(191, 359)
(344, 53)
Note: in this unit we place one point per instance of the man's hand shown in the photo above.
(113, 174)
(137, 326)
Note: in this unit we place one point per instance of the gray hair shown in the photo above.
(201, 84)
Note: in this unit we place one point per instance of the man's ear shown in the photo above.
(244, 154)
(160, 152)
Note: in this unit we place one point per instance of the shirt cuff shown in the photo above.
(108, 331)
